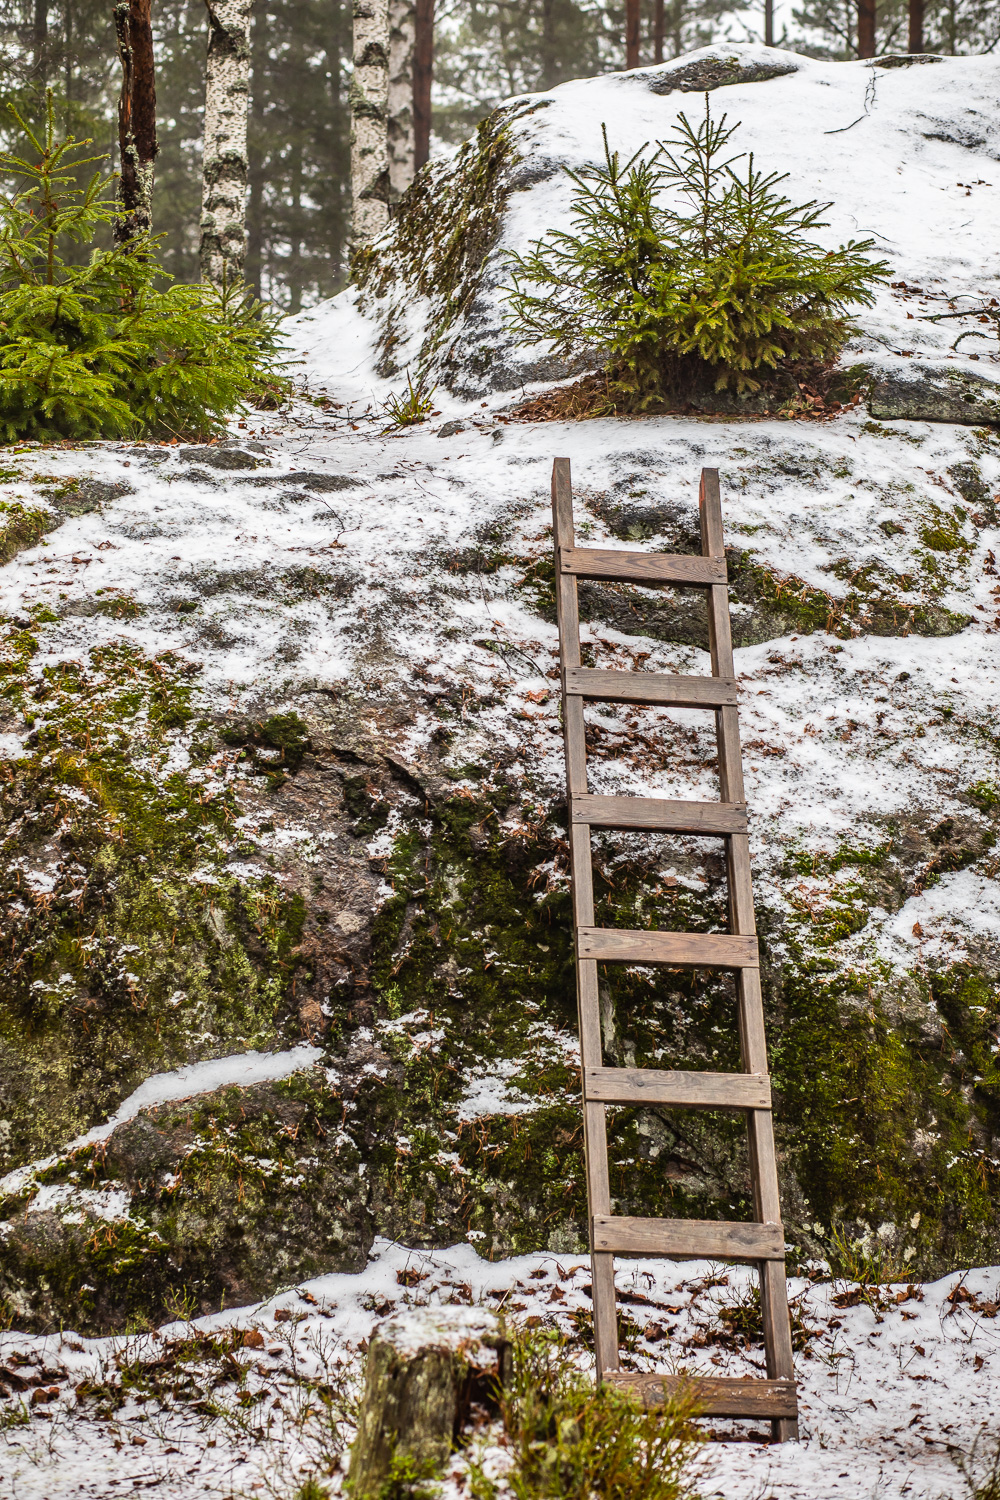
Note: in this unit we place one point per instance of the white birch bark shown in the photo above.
(227, 100)
(369, 120)
(402, 34)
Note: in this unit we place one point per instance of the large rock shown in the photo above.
(922, 392)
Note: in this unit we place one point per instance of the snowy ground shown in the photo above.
(897, 1385)
(837, 733)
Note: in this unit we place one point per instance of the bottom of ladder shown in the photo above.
(717, 1396)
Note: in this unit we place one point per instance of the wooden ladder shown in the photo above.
(762, 1241)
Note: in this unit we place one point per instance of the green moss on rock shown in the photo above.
(126, 948)
(22, 526)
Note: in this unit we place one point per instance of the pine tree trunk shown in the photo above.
(631, 33)
(549, 60)
(40, 43)
(136, 120)
(769, 23)
(224, 182)
(866, 28)
(370, 186)
(915, 42)
(423, 77)
(658, 29)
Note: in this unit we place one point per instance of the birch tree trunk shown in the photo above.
(224, 182)
(402, 35)
(370, 187)
(136, 120)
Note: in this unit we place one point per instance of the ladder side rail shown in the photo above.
(760, 1128)
(595, 1141)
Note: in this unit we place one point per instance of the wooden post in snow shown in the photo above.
(224, 171)
(136, 121)
(425, 1367)
(370, 186)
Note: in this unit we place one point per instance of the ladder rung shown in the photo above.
(641, 567)
(717, 1395)
(700, 950)
(689, 1090)
(651, 687)
(688, 1239)
(657, 812)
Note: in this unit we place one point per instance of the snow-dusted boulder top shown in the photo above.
(285, 952)
(905, 148)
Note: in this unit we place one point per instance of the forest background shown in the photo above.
(299, 192)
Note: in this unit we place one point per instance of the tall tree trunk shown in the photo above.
(136, 120)
(68, 57)
(915, 42)
(768, 23)
(549, 59)
(224, 172)
(338, 145)
(296, 269)
(255, 155)
(631, 33)
(677, 26)
(866, 28)
(423, 77)
(369, 120)
(400, 122)
(40, 43)
(658, 30)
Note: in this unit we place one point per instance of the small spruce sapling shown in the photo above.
(683, 272)
(110, 347)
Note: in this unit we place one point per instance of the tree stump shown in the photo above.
(425, 1369)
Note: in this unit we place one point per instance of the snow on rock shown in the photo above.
(905, 153)
(184, 1083)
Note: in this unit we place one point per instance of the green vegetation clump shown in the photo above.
(108, 347)
(409, 408)
(569, 1439)
(725, 289)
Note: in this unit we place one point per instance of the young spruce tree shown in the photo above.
(723, 288)
(109, 347)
